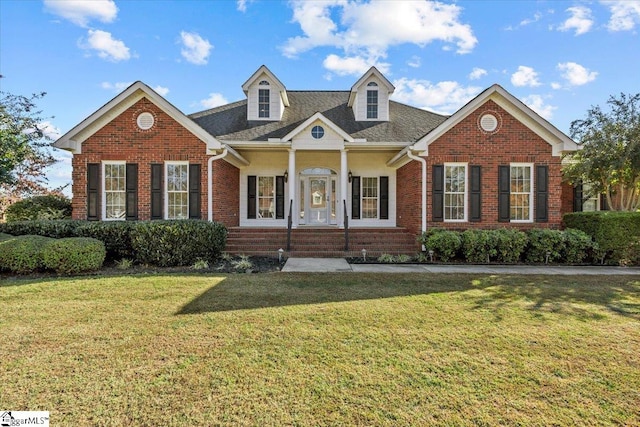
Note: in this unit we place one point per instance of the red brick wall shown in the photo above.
(122, 140)
(409, 196)
(567, 198)
(512, 143)
(226, 193)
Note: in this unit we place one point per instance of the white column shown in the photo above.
(344, 181)
(292, 186)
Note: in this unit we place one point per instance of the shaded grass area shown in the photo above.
(323, 349)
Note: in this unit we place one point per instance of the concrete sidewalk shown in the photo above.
(340, 265)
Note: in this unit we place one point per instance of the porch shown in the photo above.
(325, 242)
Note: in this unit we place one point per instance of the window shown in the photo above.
(369, 198)
(177, 187)
(114, 190)
(372, 104)
(317, 132)
(263, 103)
(266, 197)
(591, 201)
(455, 192)
(521, 192)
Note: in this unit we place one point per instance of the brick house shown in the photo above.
(322, 161)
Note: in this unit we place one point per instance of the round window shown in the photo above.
(488, 123)
(317, 132)
(145, 121)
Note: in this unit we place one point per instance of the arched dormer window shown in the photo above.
(372, 100)
(264, 100)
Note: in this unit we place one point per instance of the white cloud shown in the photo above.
(581, 20)
(50, 130)
(536, 18)
(414, 62)
(477, 73)
(162, 91)
(80, 12)
(369, 29)
(576, 74)
(242, 5)
(443, 97)
(537, 104)
(356, 65)
(625, 14)
(525, 76)
(195, 49)
(214, 100)
(556, 85)
(115, 87)
(106, 46)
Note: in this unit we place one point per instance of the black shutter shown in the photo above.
(384, 197)
(251, 197)
(279, 197)
(542, 193)
(475, 194)
(604, 205)
(132, 191)
(156, 191)
(355, 197)
(93, 191)
(437, 198)
(577, 197)
(504, 193)
(194, 191)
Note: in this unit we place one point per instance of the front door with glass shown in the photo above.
(317, 200)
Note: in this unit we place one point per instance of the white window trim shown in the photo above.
(466, 192)
(268, 103)
(258, 216)
(166, 186)
(377, 104)
(595, 198)
(362, 198)
(531, 192)
(104, 191)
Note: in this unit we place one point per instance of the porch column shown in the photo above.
(344, 178)
(292, 186)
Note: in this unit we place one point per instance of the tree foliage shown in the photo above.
(610, 156)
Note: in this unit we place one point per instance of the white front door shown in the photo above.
(318, 200)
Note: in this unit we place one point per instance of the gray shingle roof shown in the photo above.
(229, 122)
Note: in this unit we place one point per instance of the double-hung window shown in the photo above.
(369, 197)
(114, 195)
(266, 197)
(455, 192)
(521, 192)
(592, 200)
(264, 100)
(177, 190)
(372, 101)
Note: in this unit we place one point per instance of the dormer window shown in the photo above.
(372, 100)
(264, 100)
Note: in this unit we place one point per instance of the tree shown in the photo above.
(609, 158)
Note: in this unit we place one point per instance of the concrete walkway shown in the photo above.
(340, 265)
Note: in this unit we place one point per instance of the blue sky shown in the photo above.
(559, 57)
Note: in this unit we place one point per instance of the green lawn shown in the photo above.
(323, 349)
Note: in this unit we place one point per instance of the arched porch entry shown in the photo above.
(318, 197)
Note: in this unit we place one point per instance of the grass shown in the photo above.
(323, 349)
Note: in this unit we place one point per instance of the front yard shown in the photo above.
(323, 349)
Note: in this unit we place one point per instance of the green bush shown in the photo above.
(177, 243)
(614, 232)
(510, 244)
(116, 236)
(543, 242)
(74, 255)
(4, 237)
(478, 245)
(39, 207)
(48, 228)
(23, 254)
(631, 254)
(445, 244)
(578, 246)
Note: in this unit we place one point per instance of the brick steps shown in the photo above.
(321, 242)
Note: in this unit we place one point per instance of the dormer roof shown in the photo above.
(373, 71)
(258, 75)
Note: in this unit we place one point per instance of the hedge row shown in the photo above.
(27, 254)
(511, 246)
(39, 207)
(616, 233)
(161, 243)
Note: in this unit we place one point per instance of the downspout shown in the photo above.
(424, 188)
(210, 181)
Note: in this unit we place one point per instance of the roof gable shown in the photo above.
(553, 136)
(373, 71)
(258, 74)
(318, 117)
(72, 140)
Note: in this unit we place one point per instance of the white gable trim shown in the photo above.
(373, 71)
(318, 117)
(264, 70)
(72, 140)
(560, 142)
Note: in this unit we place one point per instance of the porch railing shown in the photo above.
(346, 226)
(289, 225)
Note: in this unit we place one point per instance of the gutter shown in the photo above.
(424, 188)
(210, 180)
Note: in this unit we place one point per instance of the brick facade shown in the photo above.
(409, 197)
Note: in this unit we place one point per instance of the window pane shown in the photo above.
(177, 191)
(266, 197)
(369, 197)
(263, 103)
(372, 104)
(520, 198)
(114, 190)
(454, 192)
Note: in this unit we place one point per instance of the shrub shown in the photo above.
(116, 236)
(74, 255)
(614, 232)
(386, 258)
(4, 237)
(510, 244)
(543, 241)
(178, 242)
(39, 207)
(445, 244)
(48, 228)
(243, 265)
(578, 246)
(478, 245)
(23, 254)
